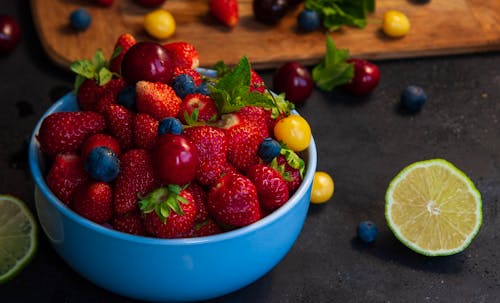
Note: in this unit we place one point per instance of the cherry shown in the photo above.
(295, 81)
(270, 11)
(147, 61)
(175, 158)
(366, 77)
(10, 34)
(150, 3)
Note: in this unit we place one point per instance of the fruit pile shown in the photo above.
(160, 148)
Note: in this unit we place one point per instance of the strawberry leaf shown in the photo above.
(97, 69)
(293, 159)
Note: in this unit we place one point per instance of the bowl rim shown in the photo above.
(39, 181)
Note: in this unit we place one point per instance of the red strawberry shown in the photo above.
(225, 11)
(257, 83)
(292, 176)
(188, 71)
(145, 131)
(100, 140)
(211, 146)
(200, 199)
(169, 212)
(233, 200)
(106, 98)
(125, 41)
(272, 189)
(66, 131)
(259, 116)
(88, 94)
(94, 201)
(198, 106)
(136, 178)
(244, 137)
(204, 228)
(183, 54)
(157, 99)
(115, 85)
(131, 223)
(120, 124)
(65, 175)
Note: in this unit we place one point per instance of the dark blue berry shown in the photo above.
(102, 164)
(308, 20)
(203, 89)
(367, 231)
(269, 149)
(80, 19)
(413, 98)
(126, 97)
(170, 125)
(183, 85)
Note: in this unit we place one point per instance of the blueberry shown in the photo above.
(268, 149)
(203, 89)
(183, 85)
(367, 231)
(102, 164)
(80, 19)
(126, 97)
(308, 20)
(170, 125)
(413, 98)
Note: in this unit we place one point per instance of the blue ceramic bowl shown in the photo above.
(167, 269)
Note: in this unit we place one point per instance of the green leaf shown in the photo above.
(336, 13)
(333, 70)
(83, 68)
(105, 75)
(293, 159)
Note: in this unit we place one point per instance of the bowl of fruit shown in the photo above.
(162, 181)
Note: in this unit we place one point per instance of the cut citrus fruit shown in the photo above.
(433, 208)
(18, 236)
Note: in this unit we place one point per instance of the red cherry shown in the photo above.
(105, 3)
(147, 61)
(366, 77)
(175, 159)
(150, 3)
(10, 34)
(295, 81)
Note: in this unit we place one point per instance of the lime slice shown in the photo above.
(18, 239)
(433, 208)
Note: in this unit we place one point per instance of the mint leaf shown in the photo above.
(333, 70)
(336, 13)
(97, 69)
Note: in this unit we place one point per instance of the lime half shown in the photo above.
(18, 236)
(433, 208)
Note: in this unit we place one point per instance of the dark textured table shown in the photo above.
(362, 143)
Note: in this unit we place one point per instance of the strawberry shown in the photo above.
(200, 199)
(66, 131)
(131, 223)
(272, 189)
(145, 131)
(244, 137)
(211, 146)
(204, 228)
(88, 94)
(169, 212)
(157, 99)
(225, 11)
(188, 71)
(257, 83)
(124, 42)
(65, 174)
(136, 178)
(183, 54)
(99, 139)
(292, 176)
(94, 201)
(197, 107)
(233, 200)
(106, 98)
(120, 124)
(258, 116)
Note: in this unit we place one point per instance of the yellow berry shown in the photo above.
(322, 187)
(160, 24)
(395, 24)
(294, 131)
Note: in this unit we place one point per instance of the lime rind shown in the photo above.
(462, 176)
(28, 256)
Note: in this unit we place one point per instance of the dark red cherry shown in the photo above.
(10, 34)
(150, 3)
(295, 81)
(270, 11)
(366, 77)
(147, 61)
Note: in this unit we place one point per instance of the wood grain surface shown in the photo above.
(439, 27)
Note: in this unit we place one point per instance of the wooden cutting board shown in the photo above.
(439, 27)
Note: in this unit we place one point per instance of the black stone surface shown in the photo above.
(362, 143)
